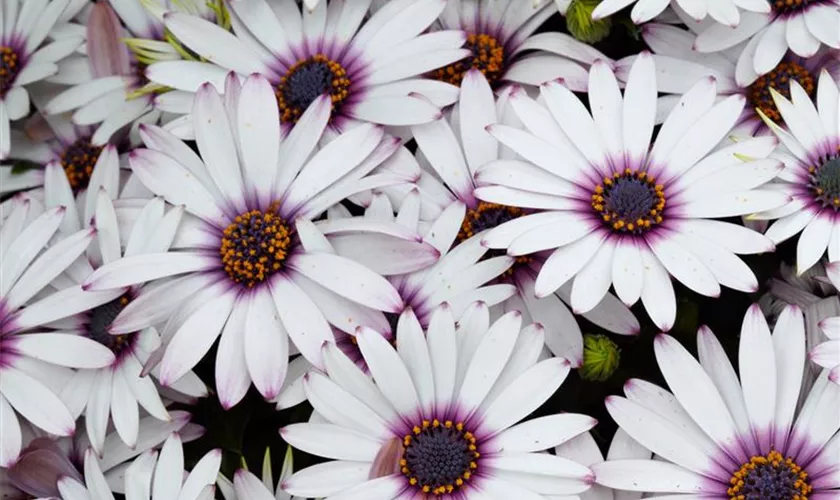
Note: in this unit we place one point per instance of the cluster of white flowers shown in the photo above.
(394, 210)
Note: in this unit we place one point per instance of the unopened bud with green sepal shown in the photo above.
(600, 358)
(580, 24)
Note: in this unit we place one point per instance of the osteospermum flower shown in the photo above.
(618, 211)
(45, 460)
(370, 69)
(120, 388)
(250, 258)
(827, 354)
(463, 155)
(25, 58)
(811, 138)
(718, 438)
(151, 476)
(801, 26)
(112, 90)
(504, 48)
(34, 366)
(680, 67)
(439, 418)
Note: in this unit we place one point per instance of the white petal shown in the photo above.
(266, 344)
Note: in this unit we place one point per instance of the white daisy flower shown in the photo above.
(122, 387)
(503, 46)
(45, 460)
(619, 212)
(34, 367)
(811, 156)
(801, 26)
(252, 263)
(109, 88)
(151, 476)
(827, 354)
(440, 417)
(26, 56)
(680, 67)
(716, 437)
(729, 13)
(371, 69)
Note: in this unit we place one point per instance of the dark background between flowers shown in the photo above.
(246, 430)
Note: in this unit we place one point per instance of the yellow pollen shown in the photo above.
(78, 161)
(758, 93)
(254, 246)
(424, 480)
(743, 484)
(629, 201)
(338, 87)
(488, 56)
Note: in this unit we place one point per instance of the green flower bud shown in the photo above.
(580, 24)
(600, 358)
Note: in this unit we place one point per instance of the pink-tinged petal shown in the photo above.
(653, 476)
(203, 474)
(143, 389)
(64, 350)
(247, 485)
(94, 479)
(440, 146)
(477, 111)
(232, 378)
(266, 344)
(384, 254)
(258, 125)
(97, 410)
(593, 281)
(347, 375)
(540, 434)
(412, 348)
(107, 53)
(697, 394)
(138, 475)
(301, 317)
(514, 403)
(298, 146)
(390, 373)
(215, 139)
(331, 441)
(639, 108)
(62, 304)
(340, 407)
(663, 437)
(124, 411)
(48, 266)
(541, 472)
(169, 471)
(195, 336)
(147, 267)
(813, 242)
(326, 479)
(684, 265)
(156, 305)
(10, 435)
(495, 486)
(757, 366)
(213, 43)
(384, 487)
(826, 354)
(35, 402)
(167, 178)
(22, 250)
(789, 349)
(348, 279)
(565, 262)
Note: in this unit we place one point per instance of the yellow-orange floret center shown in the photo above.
(9, 68)
(488, 56)
(254, 246)
(439, 457)
(78, 161)
(771, 476)
(629, 202)
(305, 81)
(779, 79)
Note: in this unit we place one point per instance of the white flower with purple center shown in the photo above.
(440, 417)
(616, 211)
(504, 48)
(811, 177)
(34, 363)
(459, 152)
(827, 354)
(249, 262)
(801, 26)
(719, 436)
(680, 67)
(25, 55)
(151, 476)
(370, 68)
(109, 86)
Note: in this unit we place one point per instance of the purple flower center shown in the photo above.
(486, 216)
(101, 318)
(254, 246)
(782, 7)
(439, 457)
(78, 161)
(629, 202)
(308, 79)
(10, 66)
(825, 183)
(770, 477)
